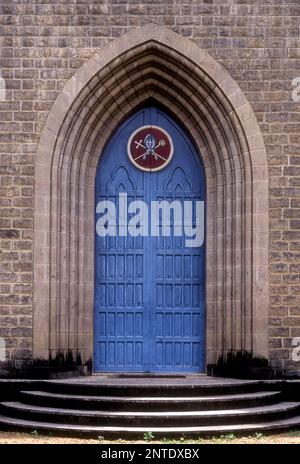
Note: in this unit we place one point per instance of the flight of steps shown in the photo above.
(130, 408)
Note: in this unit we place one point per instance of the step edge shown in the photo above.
(281, 407)
(25, 424)
(237, 397)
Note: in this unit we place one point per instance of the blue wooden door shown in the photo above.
(149, 290)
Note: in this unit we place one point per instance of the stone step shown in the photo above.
(152, 387)
(157, 403)
(11, 423)
(151, 419)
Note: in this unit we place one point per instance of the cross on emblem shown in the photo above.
(150, 148)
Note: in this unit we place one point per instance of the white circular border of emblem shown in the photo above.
(141, 167)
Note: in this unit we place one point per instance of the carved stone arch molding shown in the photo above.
(151, 62)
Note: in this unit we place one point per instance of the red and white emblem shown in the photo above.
(150, 148)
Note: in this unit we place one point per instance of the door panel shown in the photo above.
(149, 291)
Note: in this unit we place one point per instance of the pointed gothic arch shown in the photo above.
(151, 62)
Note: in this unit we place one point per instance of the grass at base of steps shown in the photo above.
(291, 437)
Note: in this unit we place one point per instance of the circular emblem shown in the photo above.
(150, 148)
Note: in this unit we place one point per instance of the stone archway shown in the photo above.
(151, 62)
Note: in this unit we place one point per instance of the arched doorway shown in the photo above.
(151, 62)
(149, 249)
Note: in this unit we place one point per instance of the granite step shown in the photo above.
(11, 423)
(151, 387)
(139, 403)
(151, 419)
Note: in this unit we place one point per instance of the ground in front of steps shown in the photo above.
(291, 437)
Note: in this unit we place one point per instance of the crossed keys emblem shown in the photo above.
(149, 144)
(150, 148)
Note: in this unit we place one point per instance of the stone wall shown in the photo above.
(43, 43)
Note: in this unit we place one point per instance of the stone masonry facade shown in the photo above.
(43, 43)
